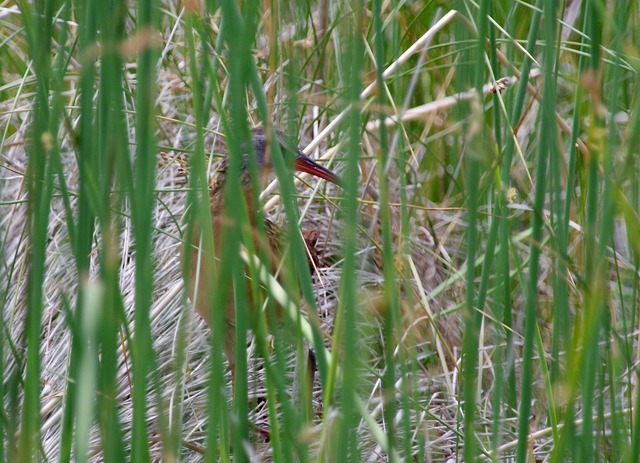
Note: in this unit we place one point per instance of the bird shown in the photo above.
(269, 244)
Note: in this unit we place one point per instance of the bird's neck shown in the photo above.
(217, 196)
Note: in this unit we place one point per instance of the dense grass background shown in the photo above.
(478, 287)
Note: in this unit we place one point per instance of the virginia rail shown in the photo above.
(199, 278)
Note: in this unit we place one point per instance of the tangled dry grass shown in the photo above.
(171, 308)
(429, 259)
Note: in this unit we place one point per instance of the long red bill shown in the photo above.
(307, 165)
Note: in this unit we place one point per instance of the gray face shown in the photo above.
(260, 145)
(263, 162)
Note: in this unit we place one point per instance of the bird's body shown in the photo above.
(203, 267)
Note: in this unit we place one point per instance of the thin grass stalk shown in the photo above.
(274, 386)
(113, 163)
(611, 179)
(237, 131)
(555, 188)
(492, 237)
(297, 410)
(599, 207)
(610, 146)
(472, 316)
(631, 161)
(499, 370)
(506, 250)
(276, 371)
(471, 72)
(11, 383)
(562, 339)
(409, 365)
(13, 415)
(172, 439)
(293, 416)
(611, 372)
(391, 314)
(561, 209)
(198, 211)
(294, 282)
(142, 200)
(346, 448)
(240, 384)
(38, 25)
(589, 324)
(305, 384)
(87, 336)
(241, 71)
(545, 377)
(58, 103)
(548, 146)
(85, 211)
(299, 281)
(619, 372)
(290, 417)
(283, 416)
(58, 73)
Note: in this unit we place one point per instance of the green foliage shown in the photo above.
(477, 287)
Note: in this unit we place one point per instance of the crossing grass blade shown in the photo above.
(477, 290)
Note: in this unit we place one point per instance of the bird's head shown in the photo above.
(302, 162)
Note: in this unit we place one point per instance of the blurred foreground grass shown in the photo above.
(477, 293)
